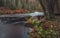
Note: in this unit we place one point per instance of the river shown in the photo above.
(13, 30)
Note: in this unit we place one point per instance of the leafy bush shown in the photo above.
(41, 31)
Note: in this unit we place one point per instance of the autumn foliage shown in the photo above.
(9, 11)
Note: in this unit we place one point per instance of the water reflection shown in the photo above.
(13, 31)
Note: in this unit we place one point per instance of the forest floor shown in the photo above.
(53, 24)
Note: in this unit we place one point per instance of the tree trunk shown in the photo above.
(44, 9)
(50, 8)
